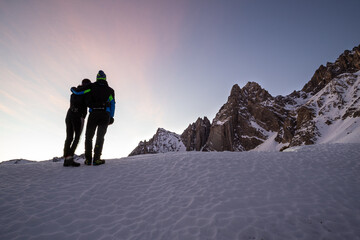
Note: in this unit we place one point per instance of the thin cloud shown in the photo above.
(7, 111)
(12, 98)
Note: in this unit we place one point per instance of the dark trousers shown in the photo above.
(74, 126)
(97, 120)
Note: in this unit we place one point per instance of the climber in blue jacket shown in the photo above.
(100, 99)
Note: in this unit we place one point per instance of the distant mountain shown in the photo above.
(245, 120)
(17, 161)
(163, 141)
(54, 159)
(327, 109)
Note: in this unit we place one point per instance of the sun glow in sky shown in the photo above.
(169, 61)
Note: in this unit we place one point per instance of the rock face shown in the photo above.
(196, 134)
(163, 141)
(348, 62)
(242, 122)
(326, 109)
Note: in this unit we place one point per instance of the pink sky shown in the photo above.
(53, 46)
(168, 61)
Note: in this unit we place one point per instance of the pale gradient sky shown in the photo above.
(169, 61)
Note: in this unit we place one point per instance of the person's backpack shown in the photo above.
(99, 96)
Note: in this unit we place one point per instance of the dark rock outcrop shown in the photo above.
(241, 123)
(196, 134)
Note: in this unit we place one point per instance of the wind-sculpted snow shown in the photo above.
(310, 193)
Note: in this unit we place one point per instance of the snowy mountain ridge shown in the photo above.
(326, 110)
(333, 114)
(54, 159)
(163, 141)
(336, 104)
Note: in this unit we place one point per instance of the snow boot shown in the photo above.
(98, 162)
(69, 162)
(87, 162)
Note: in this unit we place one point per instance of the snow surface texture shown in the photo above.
(312, 192)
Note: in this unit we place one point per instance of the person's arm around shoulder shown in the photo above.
(81, 90)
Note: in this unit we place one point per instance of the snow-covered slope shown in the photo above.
(310, 193)
(334, 115)
(337, 110)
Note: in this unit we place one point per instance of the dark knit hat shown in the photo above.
(101, 76)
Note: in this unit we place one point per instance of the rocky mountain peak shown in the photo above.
(160, 131)
(235, 95)
(234, 127)
(327, 109)
(235, 90)
(163, 141)
(348, 62)
(252, 87)
(255, 93)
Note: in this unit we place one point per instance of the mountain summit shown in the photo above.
(327, 109)
(163, 141)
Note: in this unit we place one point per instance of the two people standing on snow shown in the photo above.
(100, 98)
